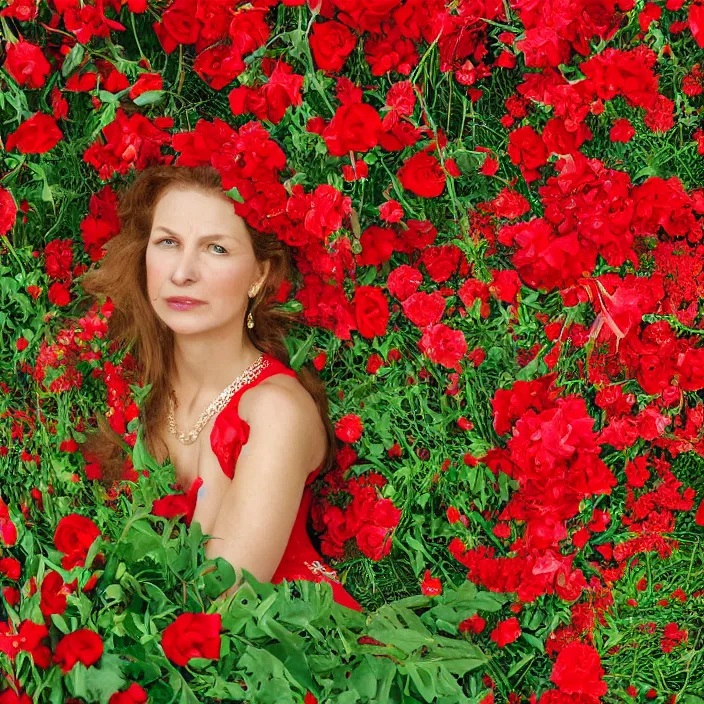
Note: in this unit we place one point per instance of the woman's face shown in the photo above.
(200, 249)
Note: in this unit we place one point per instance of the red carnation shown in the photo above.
(349, 428)
(506, 632)
(578, 670)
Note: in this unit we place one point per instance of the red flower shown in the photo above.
(27, 64)
(331, 43)
(179, 25)
(374, 541)
(421, 174)
(371, 311)
(146, 82)
(10, 567)
(37, 135)
(8, 211)
(192, 635)
(506, 632)
(219, 65)
(578, 670)
(699, 516)
(84, 646)
(73, 536)
(443, 345)
(8, 530)
(53, 594)
(349, 428)
(134, 694)
(354, 128)
(473, 624)
(430, 586)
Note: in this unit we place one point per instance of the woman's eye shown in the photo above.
(167, 239)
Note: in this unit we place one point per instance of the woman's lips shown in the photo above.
(184, 305)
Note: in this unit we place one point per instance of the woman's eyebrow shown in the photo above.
(200, 239)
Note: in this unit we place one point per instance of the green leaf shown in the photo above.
(220, 579)
(149, 97)
(235, 194)
(301, 354)
(73, 59)
(97, 684)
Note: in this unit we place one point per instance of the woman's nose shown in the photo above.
(186, 267)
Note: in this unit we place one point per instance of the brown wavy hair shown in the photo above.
(121, 276)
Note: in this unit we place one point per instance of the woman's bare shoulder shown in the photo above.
(273, 387)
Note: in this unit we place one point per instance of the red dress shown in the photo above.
(300, 559)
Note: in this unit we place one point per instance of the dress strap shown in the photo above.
(275, 366)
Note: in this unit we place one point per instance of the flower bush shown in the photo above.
(495, 213)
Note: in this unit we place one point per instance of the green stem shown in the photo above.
(14, 254)
(136, 37)
(313, 72)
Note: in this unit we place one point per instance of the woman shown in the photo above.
(193, 290)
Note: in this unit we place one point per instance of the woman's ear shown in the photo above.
(265, 269)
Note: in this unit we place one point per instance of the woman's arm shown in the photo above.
(259, 508)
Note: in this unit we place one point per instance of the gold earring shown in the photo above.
(250, 320)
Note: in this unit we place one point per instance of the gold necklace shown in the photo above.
(248, 375)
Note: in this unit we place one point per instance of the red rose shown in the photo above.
(331, 43)
(146, 82)
(74, 535)
(53, 594)
(181, 23)
(371, 310)
(355, 127)
(422, 174)
(134, 694)
(386, 514)
(527, 149)
(578, 670)
(37, 135)
(192, 635)
(506, 632)
(8, 211)
(173, 505)
(282, 91)
(374, 541)
(10, 567)
(84, 646)
(361, 510)
(219, 65)
(26, 64)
